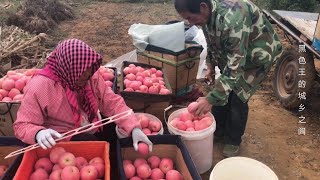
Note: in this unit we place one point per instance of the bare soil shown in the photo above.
(272, 132)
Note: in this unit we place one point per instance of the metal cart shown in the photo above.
(295, 71)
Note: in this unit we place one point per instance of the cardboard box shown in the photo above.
(86, 149)
(8, 114)
(8, 145)
(169, 146)
(181, 67)
(145, 97)
(154, 108)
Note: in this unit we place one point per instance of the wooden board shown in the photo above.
(306, 27)
(305, 22)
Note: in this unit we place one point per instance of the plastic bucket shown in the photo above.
(242, 168)
(198, 143)
(122, 134)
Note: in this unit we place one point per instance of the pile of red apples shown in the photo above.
(11, 86)
(63, 165)
(149, 126)
(154, 168)
(188, 121)
(108, 75)
(139, 79)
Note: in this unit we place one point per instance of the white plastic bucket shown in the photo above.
(121, 134)
(242, 168)
(198, 143)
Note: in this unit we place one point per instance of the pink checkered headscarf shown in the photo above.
(66, 64)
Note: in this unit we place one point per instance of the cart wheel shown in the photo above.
(285, 82)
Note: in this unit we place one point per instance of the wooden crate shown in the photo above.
(181, 68)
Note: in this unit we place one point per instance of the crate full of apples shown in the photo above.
(67, 161)
(109, 75)
(169, 160)
(11, 85)
(144, 82)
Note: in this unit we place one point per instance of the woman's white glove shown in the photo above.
(45, 138)
(139, 136)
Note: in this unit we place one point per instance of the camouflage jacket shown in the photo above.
(243, 44)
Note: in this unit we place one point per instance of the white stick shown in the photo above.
(71, 133)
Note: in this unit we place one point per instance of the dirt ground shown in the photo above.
(272, 131)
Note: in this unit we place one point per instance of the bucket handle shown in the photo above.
(166, 113)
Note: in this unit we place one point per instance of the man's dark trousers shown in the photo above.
(231, 119)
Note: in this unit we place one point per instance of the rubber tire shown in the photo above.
(290, 99)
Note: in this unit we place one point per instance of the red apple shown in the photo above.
(155, 126)
(165, 165)
(153, 89)
(174, 122)
(126, 70)
(135, 178)
(156, 174)
(147, 82)
(154, 161)
(190, 129)
(192, 107)
(159, 73)
(39, 174)
(185, 116)
(55, 175)
(139, 161)
(173, 175)
(181, 125)
(144, 171)
(143, 149)
(44, 163)
(70, 173)
(4, 93)
(88, 173)
(144, 121)
(19, 84)
(189, 124)
(81, 162)
(56, 153)
(164, 91)
(56, 167)
(67, 159)
(129, 170)
(96, 160)
(153, 70)
(144, 88)
(100, 168)
(146, 131)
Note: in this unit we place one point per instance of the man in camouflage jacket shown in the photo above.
(243, 44)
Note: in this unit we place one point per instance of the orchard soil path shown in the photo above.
(272, 131)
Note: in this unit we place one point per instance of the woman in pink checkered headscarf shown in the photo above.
(67, 94)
